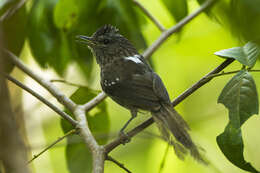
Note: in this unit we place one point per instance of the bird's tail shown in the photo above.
(170, 122)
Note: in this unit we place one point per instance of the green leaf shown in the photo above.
(13, 31)
(78, 157)
(49, 45)
(66, 19)
(246, 55)
(240, 97)
(178, 8)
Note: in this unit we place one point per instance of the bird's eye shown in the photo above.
(105, 41)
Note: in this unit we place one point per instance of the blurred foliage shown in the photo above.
(178, 8)
(51, 27)
(240, 16)
(13, 29)
(78, 157)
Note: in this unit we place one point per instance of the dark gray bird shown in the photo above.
(128, 79)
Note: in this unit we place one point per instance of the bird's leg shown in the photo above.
(124, 136)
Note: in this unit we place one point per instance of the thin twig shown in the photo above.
(110, 146)
(43, 82)
(176, 28)
(230, 72)
(66, 82)
(51, 145)
(95, 101)
(201, 82)
(150, 16)
(164, 158)
(109, 158)
(42, 99)
(12, 10)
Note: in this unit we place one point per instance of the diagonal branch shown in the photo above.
(95, 101)
(202, 82)
(10, 12)
(52, 144)
(166, 34)
(42, 99)
(150, 16)
(43, 82)
(118, 163)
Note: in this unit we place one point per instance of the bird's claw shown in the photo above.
(124, 138)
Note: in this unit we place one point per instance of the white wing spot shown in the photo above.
(117, 79)
(135, 59)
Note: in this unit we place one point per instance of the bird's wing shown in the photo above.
(135, 85)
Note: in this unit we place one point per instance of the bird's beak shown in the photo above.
(85, 40)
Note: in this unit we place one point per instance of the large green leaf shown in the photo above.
(240, 97)
(246, 55)
(178, 8)
(78, 157)
(49, 45)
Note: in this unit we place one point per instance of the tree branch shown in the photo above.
(97, 151)
(201, 82)
(43, 82)
(230, 72)
(150, 16)
(176, 28)
(66, 82)
(95, 101)
(12, 10)
(79, 112)
(118, 163)
(42, 99)
(52, 144)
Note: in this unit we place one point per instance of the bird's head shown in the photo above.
(108, 44)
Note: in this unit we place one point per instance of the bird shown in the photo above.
(128, 79)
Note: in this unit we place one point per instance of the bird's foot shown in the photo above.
(124, 138)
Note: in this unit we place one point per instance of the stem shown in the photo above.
(42, 99)
(176, 28)
(150, 16)
(51, 145)
(109, 158)
(43, 82)
(201, 82)
(95, 101)
(66, 82)
(230, 72)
